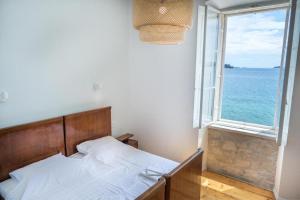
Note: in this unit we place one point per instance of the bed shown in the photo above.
(26, 144)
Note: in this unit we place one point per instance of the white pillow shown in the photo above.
(88, 146)
(105, 149)
(31, 169)
(110, 152)
(40, 180)
(7, 186)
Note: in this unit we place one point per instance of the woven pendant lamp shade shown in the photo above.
(162, 21)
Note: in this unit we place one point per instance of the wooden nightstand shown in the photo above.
(126, 140)
(133, 143)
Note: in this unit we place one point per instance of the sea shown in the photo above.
(249, 95)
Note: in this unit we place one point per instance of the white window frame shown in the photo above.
(200, 119)
(231, 125)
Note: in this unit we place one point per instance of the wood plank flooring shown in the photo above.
(218, 187)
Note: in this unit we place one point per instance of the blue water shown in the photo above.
(249, 95)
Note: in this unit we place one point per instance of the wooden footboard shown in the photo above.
(156, 192)
(184, 182)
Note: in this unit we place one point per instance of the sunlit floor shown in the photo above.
(217, 187)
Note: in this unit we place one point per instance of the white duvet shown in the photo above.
(114, 173)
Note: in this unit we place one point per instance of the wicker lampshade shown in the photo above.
(162, 21)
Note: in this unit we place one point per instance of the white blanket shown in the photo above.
(80, 184)
(121, 177)
(129, 166)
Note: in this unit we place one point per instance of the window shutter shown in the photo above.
(206, 65)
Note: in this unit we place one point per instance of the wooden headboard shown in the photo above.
(25, 144)
(85, 126)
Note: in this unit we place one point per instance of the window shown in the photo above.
(240, 67)
(252, 60)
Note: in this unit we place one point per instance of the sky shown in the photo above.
(256, 39)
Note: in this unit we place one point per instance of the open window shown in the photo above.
(209, 28)
(241, 68)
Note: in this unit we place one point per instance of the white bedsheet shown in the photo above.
(117, 153)
(129, 165)
(82, 186)
(119, 179)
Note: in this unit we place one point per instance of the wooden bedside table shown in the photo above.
(133, 143)
(126, 140)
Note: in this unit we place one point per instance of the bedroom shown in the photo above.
(64, 57)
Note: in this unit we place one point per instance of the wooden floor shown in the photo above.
(217, 187)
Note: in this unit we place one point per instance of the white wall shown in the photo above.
(288, 171)
(51, 53)
(161, 95)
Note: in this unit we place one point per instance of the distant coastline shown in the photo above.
(229, 66)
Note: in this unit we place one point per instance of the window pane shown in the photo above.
(253, 56)
(210, 61)
(211, 48)
(207, 116)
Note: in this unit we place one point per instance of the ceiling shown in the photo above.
(222, 4)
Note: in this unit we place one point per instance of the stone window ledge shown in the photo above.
(255, 131)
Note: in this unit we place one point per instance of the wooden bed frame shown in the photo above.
(25, 144)
(184, 182)
(88, 125)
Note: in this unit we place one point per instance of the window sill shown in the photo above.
(261, 132)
